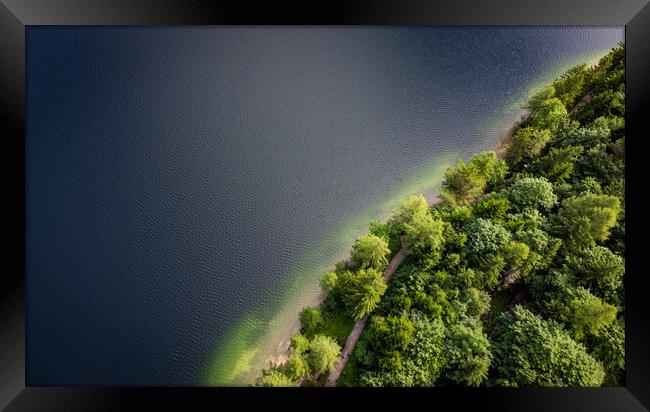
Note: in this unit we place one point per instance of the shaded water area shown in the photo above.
(187, 187)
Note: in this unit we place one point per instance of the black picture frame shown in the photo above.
(15, 15)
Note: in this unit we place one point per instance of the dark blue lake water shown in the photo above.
(186, 187)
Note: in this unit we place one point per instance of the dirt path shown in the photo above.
(361, 323)
(585, 99)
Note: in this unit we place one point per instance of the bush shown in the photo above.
(361, 291)
(466, 182)
(324, 352)
(390, 334)
(296, 367)
(485, 238)
(412, 209)
(274, 377)
(492, 207)
(549, 114)
(299, 344)
(527, 143)
(371, 251)
(311, 318)
(424, 237)
(533, 192)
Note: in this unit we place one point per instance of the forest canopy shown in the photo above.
(515, 278)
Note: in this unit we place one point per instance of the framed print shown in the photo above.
(270, 205)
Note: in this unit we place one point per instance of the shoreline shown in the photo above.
(283, 347)
(505, 137)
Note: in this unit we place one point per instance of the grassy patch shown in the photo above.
(336, 325)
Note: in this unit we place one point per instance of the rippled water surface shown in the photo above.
(186, 187)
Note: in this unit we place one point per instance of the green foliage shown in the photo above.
(451, 261)
(391, 333)
(589, 314)
(542, 249)
(606, 103)
(549, 114)
(609, 348)
(558, 165)
(336, 324)
(430, 305)
(329, 282)
(274, 377)
(398, 303)
(584, 220)
(586, 186)
(532, 192)
(596, 135)
(609, 73)
(601, 165)
(458, 217)
(424, 236)
(463, 278)
(462, 184)
(371, 252)
(297, 367)
(477, 301)
(515, 254)
(425, 351)
(467, 353)
(536, 100)
(530, 351)
(379, 229)
(467, 181)
(421, 363)
(386, 232)
(485, 238)
(491, 207)
(599, 269)
(299, 344)
(323, 354)
(454, 240)
(527, 143)
(414, 208)
(569, 87)
(550, 291)
(527, 219)
(492, 169)
(616, 124)
(361, 291)
(618, 149)
(311, 318)
(489, 271)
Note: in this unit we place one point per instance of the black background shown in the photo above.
(16, 14)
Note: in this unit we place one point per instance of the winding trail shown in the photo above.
(354, 335)
(585, 99)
